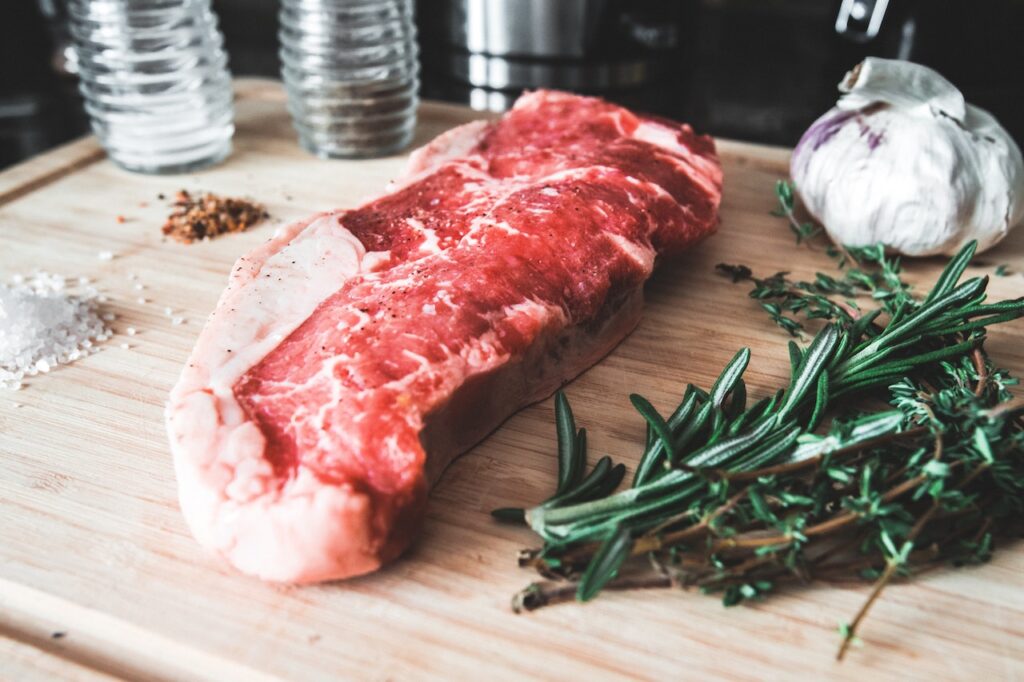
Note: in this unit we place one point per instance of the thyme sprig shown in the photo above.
(867, 272)
(895, 446)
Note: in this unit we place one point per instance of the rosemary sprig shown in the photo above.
(742, 500)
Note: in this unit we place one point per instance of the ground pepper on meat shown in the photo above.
(207, 215)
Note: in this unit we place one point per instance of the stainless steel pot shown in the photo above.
(503, 73)
(497, 48)
(561, 29)
(592, 45)
(527, 28)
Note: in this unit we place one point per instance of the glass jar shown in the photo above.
(155, 80)
(351, 70)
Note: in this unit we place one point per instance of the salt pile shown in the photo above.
(42, 325)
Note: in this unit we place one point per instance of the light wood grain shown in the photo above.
(92, 542)
(21, 661)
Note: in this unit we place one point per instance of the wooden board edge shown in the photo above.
(42, 169)
(768, 158)
(771, 158)
(265, 89)
(95, 640)
(33, 173)
(52, 165)
(23, 659)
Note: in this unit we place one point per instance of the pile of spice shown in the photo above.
(42, 325)
(207, 215)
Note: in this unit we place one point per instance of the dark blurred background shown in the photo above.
(758, 70)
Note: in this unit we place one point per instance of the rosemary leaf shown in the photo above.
(656, 423)
(609, 558)
(570, 468)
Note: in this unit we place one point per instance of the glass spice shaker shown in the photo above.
(351, 70)
(155, 80)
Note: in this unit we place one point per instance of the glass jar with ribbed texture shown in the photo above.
(351, 69)
(155, 81)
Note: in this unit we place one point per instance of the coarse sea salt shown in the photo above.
(42, 325)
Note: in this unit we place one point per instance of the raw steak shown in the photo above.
(353, 356)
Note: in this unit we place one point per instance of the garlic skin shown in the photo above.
(903, 160)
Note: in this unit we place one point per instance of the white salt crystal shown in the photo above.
(105, 255)
(42, 326)
(142, 300)
(140, 287)
(125, 346)
(177, 321)
(15, 405)
(168, 312)
(130, 331)
(107, 317)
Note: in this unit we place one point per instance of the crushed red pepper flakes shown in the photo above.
(207, 215)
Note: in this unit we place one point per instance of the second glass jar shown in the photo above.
(351, 70)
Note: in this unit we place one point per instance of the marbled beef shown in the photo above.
(353, 356)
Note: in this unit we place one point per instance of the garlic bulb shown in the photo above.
(903, 160)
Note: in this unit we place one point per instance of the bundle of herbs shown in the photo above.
(895, 448)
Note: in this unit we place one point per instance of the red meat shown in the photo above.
(356, 354)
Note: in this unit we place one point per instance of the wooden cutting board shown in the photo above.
(92, 544)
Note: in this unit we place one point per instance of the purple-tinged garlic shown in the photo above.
(903, 160)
